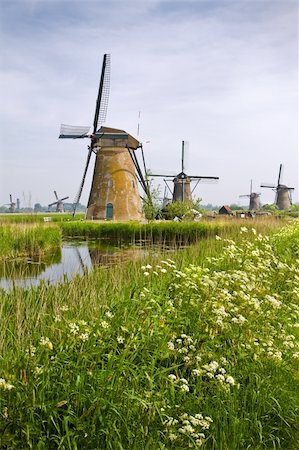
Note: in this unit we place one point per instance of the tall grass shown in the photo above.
(194, 352)
(25, 240)
(168, 231)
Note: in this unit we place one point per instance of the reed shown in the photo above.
(27, 240)
(182, 233)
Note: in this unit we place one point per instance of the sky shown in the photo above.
(220, 74)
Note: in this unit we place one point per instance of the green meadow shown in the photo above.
(199, 350)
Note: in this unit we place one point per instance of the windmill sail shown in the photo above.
(103, 94)
(73, 132)
(99, 118)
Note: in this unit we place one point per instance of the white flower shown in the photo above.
(104, 324)
(170, 345)
(74, 329)
(172, 377)
(184, 388)
(45, 342)
(230, 380)
(146, 274)
(64, 308)
(83, 337)
(172, 437)
(6, 386)
(120, 339)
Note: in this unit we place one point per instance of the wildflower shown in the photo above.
(6, 386)
(74, 328)
(172, 437)
(170, 345)
(38, 370)
(64, 308)
(172, 377)
(218, 238)
(45, 342)
(184, 388)
(31, 350)
(148, 266)
(104, 324)
(120, 339)
(230, 380)
(109, 314)
(244, 230)
(146, 274)
(84, 336)
(196, 372)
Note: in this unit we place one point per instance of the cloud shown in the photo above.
(221, 74)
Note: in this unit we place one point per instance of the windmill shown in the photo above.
(11, 204)
(58, 203)
(182, 182)
(114, 191)
(254, 199)
(283, 198)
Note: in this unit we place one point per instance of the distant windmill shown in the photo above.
(58, 203)
(114, 192)
(182, 182)
(254, 199)
(283, 198)
(11, 204)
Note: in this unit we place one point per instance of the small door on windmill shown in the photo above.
(109, 211)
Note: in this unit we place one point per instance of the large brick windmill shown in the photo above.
(283, 199)
(114, 191)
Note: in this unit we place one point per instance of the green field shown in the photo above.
(196, 351)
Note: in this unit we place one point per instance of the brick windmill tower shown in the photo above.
(114, 191)
(182, 182)
(283, 198)
(254, 199)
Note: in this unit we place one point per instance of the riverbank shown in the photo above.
(196, 351)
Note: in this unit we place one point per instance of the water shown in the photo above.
(71, 260)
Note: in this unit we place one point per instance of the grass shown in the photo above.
(194, 352)
(27, 240)
(38, 217)
(159, 232)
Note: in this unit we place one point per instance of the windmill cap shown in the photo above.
(114, 134)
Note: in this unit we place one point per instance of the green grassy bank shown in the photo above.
(160, 232)
(196, 351)
(27, 240)
(39, 217)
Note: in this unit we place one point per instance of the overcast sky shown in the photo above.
(220, 74)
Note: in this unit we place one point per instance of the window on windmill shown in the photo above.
(110, 183)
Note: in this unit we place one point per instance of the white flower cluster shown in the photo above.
(45, 342)
(185, 347)
(5, 386)
(213, 371)
(187, 427)
(159, 268)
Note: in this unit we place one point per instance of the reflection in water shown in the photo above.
(71, 260)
